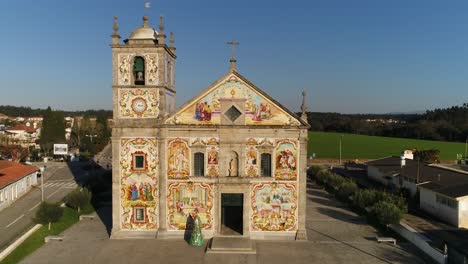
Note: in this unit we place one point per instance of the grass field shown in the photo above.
(327, 145)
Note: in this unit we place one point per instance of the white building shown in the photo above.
(442, 191)
(24, 135)
(15, 180)
(446, 197)
(386, 170)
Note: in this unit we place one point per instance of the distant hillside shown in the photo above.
(448, 124)
(23, 111)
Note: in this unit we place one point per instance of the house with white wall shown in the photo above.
(442, 191)
(386, 170)
(446, 196)
(15, 180)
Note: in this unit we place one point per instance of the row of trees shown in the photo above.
(383, 207)
(49, 213)
(449, 124)
(14, 111)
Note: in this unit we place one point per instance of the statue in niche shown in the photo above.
(233, 167)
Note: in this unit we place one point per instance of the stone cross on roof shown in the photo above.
(233, 60)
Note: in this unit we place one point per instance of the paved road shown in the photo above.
(59, 179)
(335, 235)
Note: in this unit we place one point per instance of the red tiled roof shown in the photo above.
(12, 171)
(26, 128)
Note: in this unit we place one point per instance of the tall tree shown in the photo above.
(53, 129)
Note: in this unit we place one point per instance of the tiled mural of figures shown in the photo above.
(139, 180)
(274, 206)
(185, 197)
(178, 158)
(258, 109)
(251, 161)
(286, 159)
(212, 152)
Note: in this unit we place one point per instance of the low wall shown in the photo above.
(419, 241)
(18, 242)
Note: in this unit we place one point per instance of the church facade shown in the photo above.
(232, 154)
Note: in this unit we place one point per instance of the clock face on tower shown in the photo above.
(139, 105)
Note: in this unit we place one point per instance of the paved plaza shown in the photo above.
(336, 235)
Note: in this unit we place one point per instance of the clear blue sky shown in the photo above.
(351, 56)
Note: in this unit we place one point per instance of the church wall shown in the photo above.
(271, 203)
(139, 183)
(136, 190)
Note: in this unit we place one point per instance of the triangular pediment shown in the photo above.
(257, 107)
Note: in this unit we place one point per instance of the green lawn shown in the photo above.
(36, 240)
(327, 145)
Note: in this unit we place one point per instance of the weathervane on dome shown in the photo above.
(147, 6)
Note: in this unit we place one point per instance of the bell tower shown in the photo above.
(143, 91)
(143, 69)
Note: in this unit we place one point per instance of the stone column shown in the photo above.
(115, 184)
(162, 178)
(302, 207)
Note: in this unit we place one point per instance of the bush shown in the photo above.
(387, 213)
(78, 198)
(364, 198)
(48, 213)
(322, 176)
(313, 170)
(347, 188)
(400, 202)
(335, 181)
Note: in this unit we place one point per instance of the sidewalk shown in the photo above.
(335, 235)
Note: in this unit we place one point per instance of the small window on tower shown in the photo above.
(139, 161)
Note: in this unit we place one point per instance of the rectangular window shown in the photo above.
(139, 214)
(199, 164)
(265, 165)
(139, 161)
(447, 201)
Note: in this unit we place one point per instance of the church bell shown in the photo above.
(139, 70)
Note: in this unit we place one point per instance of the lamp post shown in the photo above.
(91, 137)
(466, 142)
(42, 169)
(341, 137)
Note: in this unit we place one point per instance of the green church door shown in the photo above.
(232, 208)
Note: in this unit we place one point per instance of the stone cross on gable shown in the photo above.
(233, 60)
(233, 43)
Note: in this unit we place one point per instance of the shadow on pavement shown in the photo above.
(345, 217)
(99, 182)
